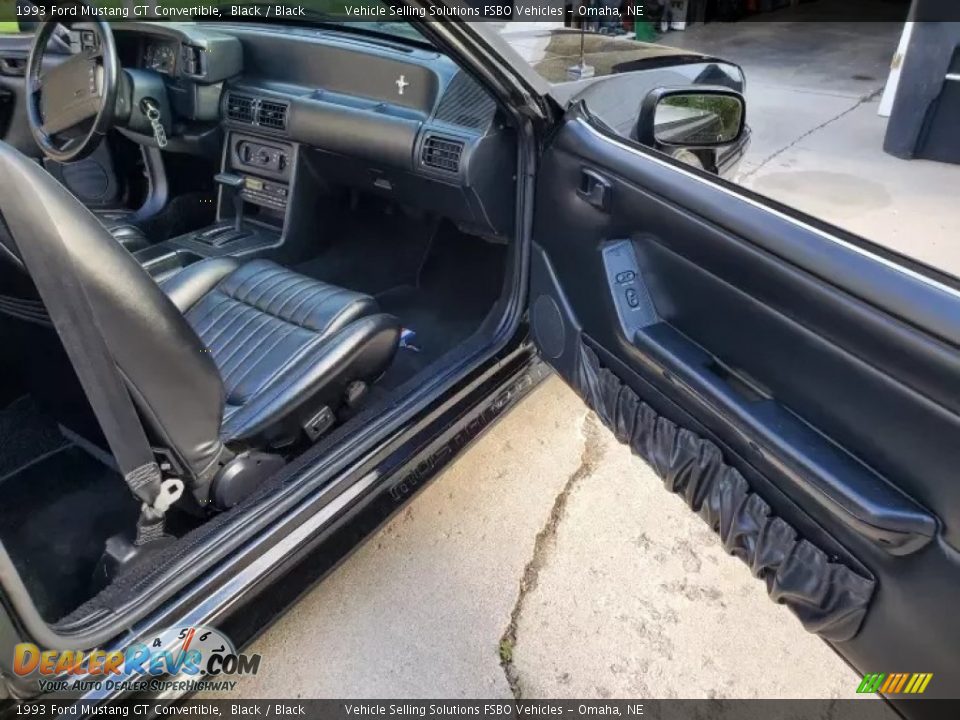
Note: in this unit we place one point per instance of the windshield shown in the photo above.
(370, 16)
(562, 54)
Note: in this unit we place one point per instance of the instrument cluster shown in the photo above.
(160, 56)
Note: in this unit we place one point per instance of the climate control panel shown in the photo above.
(263, 157)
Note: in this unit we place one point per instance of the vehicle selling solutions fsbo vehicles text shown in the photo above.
(529, 708)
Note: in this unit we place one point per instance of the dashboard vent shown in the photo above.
(465, 103)
(272, 115)
(441, 153)
(241, 108)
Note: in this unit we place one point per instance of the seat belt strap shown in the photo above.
(65, 297)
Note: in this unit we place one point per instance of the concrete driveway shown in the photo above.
(549, 562)
(549, 547)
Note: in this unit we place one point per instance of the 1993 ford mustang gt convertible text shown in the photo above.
(269, 279)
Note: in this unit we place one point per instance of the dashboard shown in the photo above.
(381, 115)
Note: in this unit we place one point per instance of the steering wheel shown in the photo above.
(74, 99)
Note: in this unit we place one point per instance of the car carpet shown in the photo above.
(26, 434)
(371, 249)
(439, 282)
(59, 505)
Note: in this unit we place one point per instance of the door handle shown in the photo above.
(595, 189)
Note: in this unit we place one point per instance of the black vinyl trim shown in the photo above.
(829, 598)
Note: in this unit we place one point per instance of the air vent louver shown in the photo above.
(252, 110)
(272, 115)
(240, 108)
(441, 153)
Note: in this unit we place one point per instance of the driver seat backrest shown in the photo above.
(172, 378)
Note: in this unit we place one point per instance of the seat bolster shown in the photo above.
(121, 226)
(112, 216)
(196, 280)
(129, 236)
(317, 378)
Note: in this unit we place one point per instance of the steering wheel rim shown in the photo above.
(92, 76)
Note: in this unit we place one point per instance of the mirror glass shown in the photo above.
(698, 119)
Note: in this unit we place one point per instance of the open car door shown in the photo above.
(798, 386)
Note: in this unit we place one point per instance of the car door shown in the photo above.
(14, 51)
(798, 386)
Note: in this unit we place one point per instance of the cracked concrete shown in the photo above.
(637, 599)
(755, 168)
(590, 457)
(418, 611)
(840, 173)
(546, 535)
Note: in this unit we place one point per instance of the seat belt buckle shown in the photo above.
(150, 525)
(171, 490)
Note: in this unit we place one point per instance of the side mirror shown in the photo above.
(693, 117)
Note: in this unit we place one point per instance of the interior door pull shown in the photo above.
(595, 189)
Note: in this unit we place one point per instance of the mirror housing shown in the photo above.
(691, 117)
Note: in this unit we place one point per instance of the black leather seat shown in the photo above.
(120, 224)
(226, 359)
(275, 335)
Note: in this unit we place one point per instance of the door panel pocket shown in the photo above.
(829, 598)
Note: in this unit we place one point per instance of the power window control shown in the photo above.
(631, 299)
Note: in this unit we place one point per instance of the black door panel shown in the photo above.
(14, 51)
(828, 373)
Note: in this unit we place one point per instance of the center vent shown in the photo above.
(272, 115)
(441, 153)
(240, 108)
(256, 111)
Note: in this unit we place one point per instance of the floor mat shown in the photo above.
(457, 286)
(55, 517)
(439, 281)
(371, 250)
(26, 434)
(429, 332)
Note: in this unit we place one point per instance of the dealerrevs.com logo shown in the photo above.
(196, 654)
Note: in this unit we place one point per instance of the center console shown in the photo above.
(253, 207)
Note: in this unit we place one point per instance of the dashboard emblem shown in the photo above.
(401, 84)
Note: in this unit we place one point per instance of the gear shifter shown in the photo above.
(220, 234)
(235, 183)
